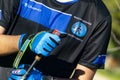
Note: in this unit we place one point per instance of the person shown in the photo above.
(76, 56)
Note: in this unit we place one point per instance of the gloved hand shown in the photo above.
(17, 74)
(42, 43)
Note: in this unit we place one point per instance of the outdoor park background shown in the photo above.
(112, 66)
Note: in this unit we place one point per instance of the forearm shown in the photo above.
(8, 44)
(80, 73)
(84, 73)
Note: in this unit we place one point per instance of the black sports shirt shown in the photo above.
(87, 23)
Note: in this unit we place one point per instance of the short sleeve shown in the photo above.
(94, 53)
(8, 9)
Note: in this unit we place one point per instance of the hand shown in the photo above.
(43, 43)
(17, 74)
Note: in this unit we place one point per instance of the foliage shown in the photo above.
(114, 44)
(113, 6)
(110, 75)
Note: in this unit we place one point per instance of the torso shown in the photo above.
(77, 20)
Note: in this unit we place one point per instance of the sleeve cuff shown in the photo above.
(90, 65)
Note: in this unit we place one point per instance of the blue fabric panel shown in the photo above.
(100, 59)
(44, 15)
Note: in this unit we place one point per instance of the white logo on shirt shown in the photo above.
(32, 7)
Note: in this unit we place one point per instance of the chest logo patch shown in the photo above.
(79, 29)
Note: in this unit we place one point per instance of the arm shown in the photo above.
(2, 30)
(84, 73)
(8, 43)
(81, 73)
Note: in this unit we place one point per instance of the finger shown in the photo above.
(47, 47)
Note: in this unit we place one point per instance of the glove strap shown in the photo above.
(22, 51)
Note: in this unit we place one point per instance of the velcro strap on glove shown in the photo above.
(26, 41)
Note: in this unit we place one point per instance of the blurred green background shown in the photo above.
(112, 67)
